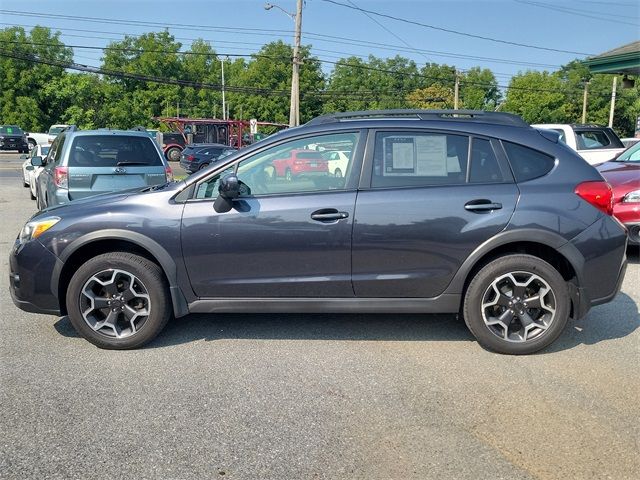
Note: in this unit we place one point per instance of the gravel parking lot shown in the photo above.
(314, 396)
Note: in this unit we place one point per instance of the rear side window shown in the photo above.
(484, 164)
(404, 159)
(527, 163)
(112, 151)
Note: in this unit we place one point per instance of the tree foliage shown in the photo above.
(36, 95)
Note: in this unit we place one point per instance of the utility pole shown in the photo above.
(223, 100)
(294, 113)
(456, 91)
(178, 109)
(613, 100)
(294, 109)
(584, 102)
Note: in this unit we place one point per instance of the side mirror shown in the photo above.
(229, 186)
(37, 161)
(24, 156)
(228, 190)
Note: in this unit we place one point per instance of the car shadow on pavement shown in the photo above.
(606, 322)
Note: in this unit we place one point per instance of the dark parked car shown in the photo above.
(468, 212)
(623, 174)
(82, 163)
(13, 138)
(200, 155)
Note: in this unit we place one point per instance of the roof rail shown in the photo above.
(498, 118)
(70, 128)
(138, 128)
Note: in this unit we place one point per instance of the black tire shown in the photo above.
(153, 283)
(288, 176)
(173, 154)
(480, 289)
(203, 166)
(32, 144)
(31, 195)
(337, 173)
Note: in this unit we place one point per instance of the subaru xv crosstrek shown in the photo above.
(464, 212)
(82, 163)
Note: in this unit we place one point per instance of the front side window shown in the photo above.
(403, 159)
(297, 166)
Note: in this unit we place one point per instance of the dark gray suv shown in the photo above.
(436, 211)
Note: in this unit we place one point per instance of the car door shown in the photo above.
(286, 238)
(46, 186)
(429, 200)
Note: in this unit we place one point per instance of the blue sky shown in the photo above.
(534, 22)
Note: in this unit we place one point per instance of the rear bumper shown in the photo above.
(598, 255)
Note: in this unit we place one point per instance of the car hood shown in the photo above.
(623, 177)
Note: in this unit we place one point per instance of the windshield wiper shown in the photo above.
(131, 163)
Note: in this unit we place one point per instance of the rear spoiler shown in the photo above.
(550, 135)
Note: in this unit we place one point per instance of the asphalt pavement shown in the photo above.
(314, 396)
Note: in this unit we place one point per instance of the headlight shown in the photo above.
(632, 197)
(36, 228)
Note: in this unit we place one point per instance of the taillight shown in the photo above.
(190, 158)
(598, 194)
(169, 173)
(61, 177)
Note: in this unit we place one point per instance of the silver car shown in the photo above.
(90, 162)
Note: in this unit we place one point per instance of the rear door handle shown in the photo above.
(482, 205)
(328, 215)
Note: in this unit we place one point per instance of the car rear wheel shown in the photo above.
(517, 304)
(338, 173)
(203, 166)
(173, 154)
(288, 176)
(32, 144)
(118, 301)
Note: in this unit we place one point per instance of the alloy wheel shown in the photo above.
(518, 306)
(115, 303)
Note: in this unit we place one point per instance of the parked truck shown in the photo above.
(235, 133)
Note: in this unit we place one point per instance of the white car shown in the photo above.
(29, 172)
(594, 143)
(54, 131)
(338, 161)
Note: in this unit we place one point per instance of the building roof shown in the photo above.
(620, 60)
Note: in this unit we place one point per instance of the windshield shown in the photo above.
(56, 130)
(630, 155)
(10, 130)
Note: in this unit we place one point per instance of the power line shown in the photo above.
(455, 32)
(388, 30)
(258, 91)
(581, 13)
(311, 35)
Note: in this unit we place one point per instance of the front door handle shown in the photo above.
(328, 215)
(482, 205)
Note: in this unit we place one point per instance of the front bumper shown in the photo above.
(30, 273)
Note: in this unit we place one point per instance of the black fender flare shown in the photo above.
(544, 237)
(165, 260)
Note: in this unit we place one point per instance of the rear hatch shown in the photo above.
(111, 162)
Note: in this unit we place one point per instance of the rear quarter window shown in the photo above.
(527, 163)
(112, 151)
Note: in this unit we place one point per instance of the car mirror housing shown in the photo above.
(37, 161)
(24, 156)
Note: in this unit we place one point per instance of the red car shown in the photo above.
(623, 174)
(301, 162)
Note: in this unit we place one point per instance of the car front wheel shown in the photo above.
(517, 304)
(118, 301)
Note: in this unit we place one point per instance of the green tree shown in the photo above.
(479, 89)
(433, 97)
(22, 77)
(538, 97)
